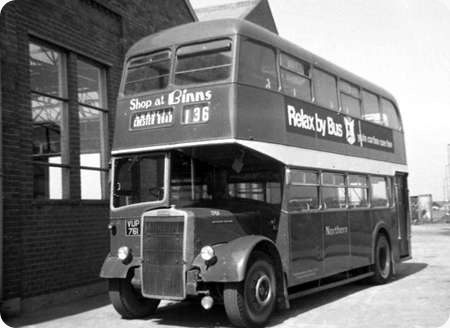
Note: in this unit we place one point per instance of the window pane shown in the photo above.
(371, 109)
(47, 73)
(295, 85)
(294, 65)
(349, 89)
(148, 73)
(357, 181)
(379, 191)
(304, 177)
(325, 89)
(350, 105)
(303, 198)
(91, 127)
(257, 65)
(197, 66)
(47, 129)
(89, 84)
(47, 180)
(91, 184)
(333, 197)
(390, 114)
(138, 179)
(333, 179)
(357, 197)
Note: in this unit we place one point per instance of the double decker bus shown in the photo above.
(247, 171)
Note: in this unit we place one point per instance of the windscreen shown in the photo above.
(201, 63)
(138, 179)
(147, 73)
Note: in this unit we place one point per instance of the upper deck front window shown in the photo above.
(204, 62)
(149, 72)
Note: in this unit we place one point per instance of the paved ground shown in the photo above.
(418, 297)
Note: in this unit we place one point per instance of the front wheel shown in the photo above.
(251, 302)
(383, 261)
(128, 302)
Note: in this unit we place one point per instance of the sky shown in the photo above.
(400, 45)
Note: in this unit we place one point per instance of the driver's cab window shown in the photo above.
(257, 65)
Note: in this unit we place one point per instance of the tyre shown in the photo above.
(251, 302)
(383, 261)
(128, 302)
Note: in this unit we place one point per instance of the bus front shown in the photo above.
(187, 202)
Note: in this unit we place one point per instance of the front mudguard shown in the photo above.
(230, 259)
(113, 267)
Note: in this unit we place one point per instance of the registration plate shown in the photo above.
(133, 227)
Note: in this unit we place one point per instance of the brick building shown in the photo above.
(61, 64)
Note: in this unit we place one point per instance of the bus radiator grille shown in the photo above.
(162, 257)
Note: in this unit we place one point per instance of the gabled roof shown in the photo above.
(255, 11)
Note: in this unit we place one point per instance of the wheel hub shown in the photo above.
(263, 290)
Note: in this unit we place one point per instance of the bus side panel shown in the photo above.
(259, 115)
(360, 224)
(336, 242)
(385, 215)
(306, 247)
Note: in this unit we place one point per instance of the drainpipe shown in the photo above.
(1, 186)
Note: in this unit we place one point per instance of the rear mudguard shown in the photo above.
(113, 267)
(231, 259)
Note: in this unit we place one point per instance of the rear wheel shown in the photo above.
(129, 302)
(383, 261)
(251, 302)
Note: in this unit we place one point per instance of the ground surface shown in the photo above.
(418, 297)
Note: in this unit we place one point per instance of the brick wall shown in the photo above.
(55, 245)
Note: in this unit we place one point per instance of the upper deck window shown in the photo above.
(295, 78)
(257, 65)
(325, 89)
(350, 99)
(372, 111)
(390, 113)
(202, 63)
(146, 73)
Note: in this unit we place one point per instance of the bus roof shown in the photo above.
(207, 30)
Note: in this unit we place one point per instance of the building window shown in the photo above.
(48, 81)
(50, 115)
(93, 121)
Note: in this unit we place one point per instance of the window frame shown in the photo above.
(174, 61)
(316, 69)
(347, 94)
(388, 193)
(308, 77)
(337, 186)
(290, 184)
(104, 130)
(237, 65)
(63, 97)
(396, 113)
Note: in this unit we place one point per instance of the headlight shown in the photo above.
(207, 253)
(123, 253)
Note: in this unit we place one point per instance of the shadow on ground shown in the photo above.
(61, 311)
(191, 314)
